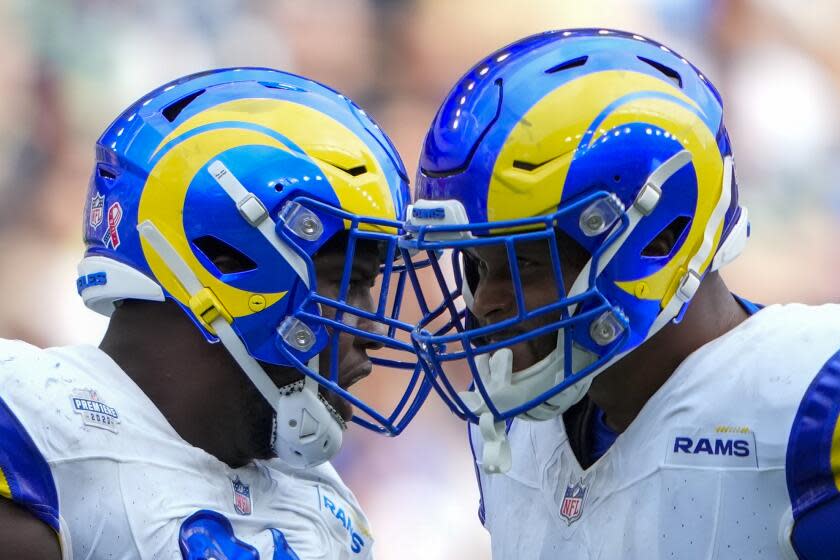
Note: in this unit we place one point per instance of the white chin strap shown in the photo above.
(509, 389)
(307, 431)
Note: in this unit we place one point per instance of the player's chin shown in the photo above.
(261, 443)
(531, 352)
(340, 404)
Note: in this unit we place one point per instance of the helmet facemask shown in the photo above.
(592, 331)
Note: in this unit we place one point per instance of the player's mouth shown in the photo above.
(348, 377)
(525, 352)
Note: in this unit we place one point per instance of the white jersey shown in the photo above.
(699, 474)
(85, 450)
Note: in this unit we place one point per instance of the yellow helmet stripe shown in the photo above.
(539, 137)
(332, 146)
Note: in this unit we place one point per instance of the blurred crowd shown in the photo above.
(67, 67)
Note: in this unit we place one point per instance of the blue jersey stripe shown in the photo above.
(27, 473)
(812, 480)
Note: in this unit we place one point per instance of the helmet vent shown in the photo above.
(670, 73)
(174, 109)
(569, 64)
(355, 171)
(227, 259)
(105, 173)
(663, 244)
(277, 85)
(528, 166)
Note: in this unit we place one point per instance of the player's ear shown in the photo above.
(664, 242)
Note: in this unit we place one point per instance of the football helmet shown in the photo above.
(601, 136)
(265, 167)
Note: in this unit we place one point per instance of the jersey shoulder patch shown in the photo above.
(813, 466)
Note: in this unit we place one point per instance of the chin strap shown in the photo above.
(495, 372)
(307, 432)
(507, 390)
(307, 429)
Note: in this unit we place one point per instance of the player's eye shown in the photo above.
(473, 261)
(525, 263)
(362, 281)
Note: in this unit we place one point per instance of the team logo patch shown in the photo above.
(112, 235)
(95, 413)
(97, 207)
(571, 507)
(241, 497)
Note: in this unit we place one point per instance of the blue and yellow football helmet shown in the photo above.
(265, 166)
(606, 137)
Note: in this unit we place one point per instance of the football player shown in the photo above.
(245, 207)
(629, 405)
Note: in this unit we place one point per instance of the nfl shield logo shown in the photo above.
(97, 205)
(572, 506)
(241, 497)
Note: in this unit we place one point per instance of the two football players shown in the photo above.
(580, 183)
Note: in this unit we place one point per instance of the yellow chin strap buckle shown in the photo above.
(207, 308)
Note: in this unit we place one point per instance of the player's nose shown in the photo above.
(373, 327)
(493, 299)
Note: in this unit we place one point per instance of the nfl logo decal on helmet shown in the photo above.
(97, 205)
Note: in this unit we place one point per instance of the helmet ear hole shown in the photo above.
(224, 257)
(666, 240)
